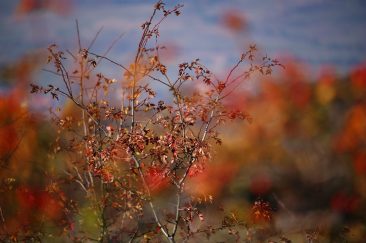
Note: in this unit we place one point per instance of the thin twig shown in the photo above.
(137, 163)
(78, 34)
(95, 38)
(1, 215)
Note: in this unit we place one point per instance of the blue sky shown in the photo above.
(316, 32)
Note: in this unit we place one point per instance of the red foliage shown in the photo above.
(196, 169)
(105, 174)
(213, 179)
(234, 20)
(11, 113)
(344, 203)
(327, 77)
(359, 163)
(260, 184)
(358, 78)
(33, 202)
(157, 179)
(56, 6)
(9, 139)
(261, 212)
(353, 133)
(299, 93)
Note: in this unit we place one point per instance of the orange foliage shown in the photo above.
(234, 20)
(261, 212)
(56, 6)
(325, 91)
(213, 179)
(354, 132)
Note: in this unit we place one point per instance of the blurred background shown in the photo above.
(304, 153)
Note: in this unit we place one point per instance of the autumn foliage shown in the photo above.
(177, 154)
(126, 149)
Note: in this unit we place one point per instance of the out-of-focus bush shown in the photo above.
(303, 153)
